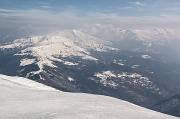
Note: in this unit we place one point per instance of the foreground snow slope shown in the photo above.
(21, 99)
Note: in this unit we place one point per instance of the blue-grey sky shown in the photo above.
(48, 14)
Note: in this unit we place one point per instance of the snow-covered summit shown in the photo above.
(21, 99)
(80, 43)
(62, 43)
(158, 35)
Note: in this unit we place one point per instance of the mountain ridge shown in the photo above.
(107, 61)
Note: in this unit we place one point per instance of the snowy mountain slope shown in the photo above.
(26, 83)
(133, 65)
(65, 43)
(163, 35)
(112, 33)
(19, 101)
(97, 38)
(159, 41)
(45, 49)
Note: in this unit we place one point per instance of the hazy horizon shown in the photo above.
(20, 18)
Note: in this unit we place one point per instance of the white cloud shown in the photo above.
(138, 22)
(138, 4)
(7, 10)
(46, 6)
(69, 18)
(173, 8)
(126, 8)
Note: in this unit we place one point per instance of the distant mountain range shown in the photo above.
(140, 66)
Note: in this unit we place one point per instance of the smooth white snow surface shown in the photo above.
(21, 99)
(26, 82)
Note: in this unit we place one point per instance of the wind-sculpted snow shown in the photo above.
(20, 100)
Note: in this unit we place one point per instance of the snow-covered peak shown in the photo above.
(47, 49)
(23, 43)
(50, 48)
(108, 33)
(158, 35)
(61, 43)
(113, 33)
(80, 42)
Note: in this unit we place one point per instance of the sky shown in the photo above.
(44, 15)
